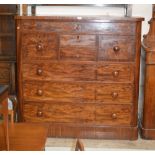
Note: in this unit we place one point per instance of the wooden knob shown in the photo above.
(18, 27)
(114, 95)
(39, 47)
(116, 48)
(115, 73)
(114, 116)
(39, 113)
(39, 92)
(39, 71)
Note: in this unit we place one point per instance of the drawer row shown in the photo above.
(78, 113)
(80, 92)
(77, 47)
(117, 28)
(77, 71)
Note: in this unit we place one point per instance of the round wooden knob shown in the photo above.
(39, 113)
(39, 47)
(39, 71)
(39, 92)
(18, 27)
(115, 73)
(114, 116)
(116, 48)
(114, 95)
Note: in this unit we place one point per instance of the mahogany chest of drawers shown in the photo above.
(79, 75)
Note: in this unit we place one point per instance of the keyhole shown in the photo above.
(78, 38)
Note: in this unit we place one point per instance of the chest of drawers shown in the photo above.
(79, 75)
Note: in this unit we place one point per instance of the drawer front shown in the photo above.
(62, 71)
(78, 47)
(59, 112)
(80, 27)
(114, 93)
(115, 48)
(59, 91)
(113, 115)
(115, 72)
(5, 73)
(39, 46)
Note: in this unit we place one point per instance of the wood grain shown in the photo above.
(4, 73)
(59, 91)
(113, 115)
(113, 72)
(125, 44)
(106, 93)
(78, 47)
(89, 87)
(50, 112)
(65, 71)
(39, 46)
(80, 27)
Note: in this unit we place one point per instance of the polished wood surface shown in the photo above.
(19, 136)
(4, 114)
(81, 76)
(148, 117)
(8, 46)
(25, 137)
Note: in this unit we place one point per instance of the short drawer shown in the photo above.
(39, 46)
(78, 47)
(59, 112)
(114, 93)
(125, 28)
(63, 71)
(116, 48)
(113, 72)
(113, 115)
(58, 91)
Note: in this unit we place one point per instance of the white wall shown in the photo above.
(142, 10)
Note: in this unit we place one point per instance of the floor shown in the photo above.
(64, 144)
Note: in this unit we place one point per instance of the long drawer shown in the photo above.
(78, 113)
(78, 92)
(78, 71)
(80, 27)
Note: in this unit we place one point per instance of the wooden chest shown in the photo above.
(79, 75)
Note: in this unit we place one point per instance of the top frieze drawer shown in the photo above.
(80, 27)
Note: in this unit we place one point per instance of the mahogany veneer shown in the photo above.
(148, 116)
(80, 75)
